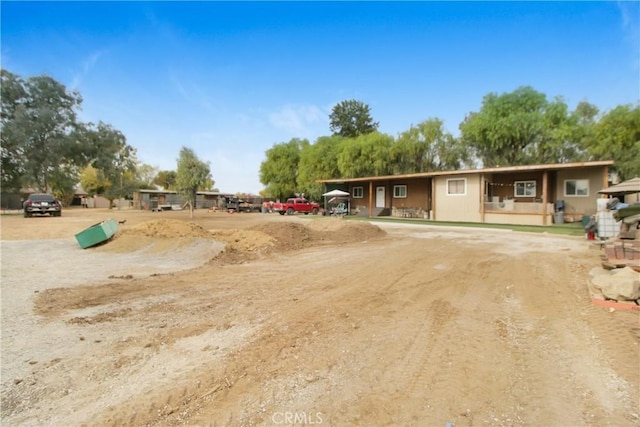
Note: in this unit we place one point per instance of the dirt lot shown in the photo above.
(306, 321)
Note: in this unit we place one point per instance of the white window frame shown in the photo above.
(577, 181)
(395, 192)
(355, 193)
(464, 193)
(515, 188)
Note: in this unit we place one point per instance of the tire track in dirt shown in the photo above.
(400, 332)
(545, 337)
(281, 333)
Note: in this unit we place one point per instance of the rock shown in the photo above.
(622, 284)
(595, 291)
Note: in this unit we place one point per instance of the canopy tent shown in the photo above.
(335, 195)
(626, 187)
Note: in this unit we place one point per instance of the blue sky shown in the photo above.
(230, 80)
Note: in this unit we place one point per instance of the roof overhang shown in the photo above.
(524, 168)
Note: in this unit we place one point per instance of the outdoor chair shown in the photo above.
(340, 210)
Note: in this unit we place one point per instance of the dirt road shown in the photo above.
(302, 321)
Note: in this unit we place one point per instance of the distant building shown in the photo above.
(159, 199)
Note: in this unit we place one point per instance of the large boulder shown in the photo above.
(622, 284)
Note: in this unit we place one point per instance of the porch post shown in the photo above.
(433, 198)
(605, 179)
(370, 199)
(545, 195)
(483, 186)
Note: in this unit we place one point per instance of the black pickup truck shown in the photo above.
(239, 205)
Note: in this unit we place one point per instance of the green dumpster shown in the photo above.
(97, 233)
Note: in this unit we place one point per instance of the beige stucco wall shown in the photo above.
(585, 205)
(458, 207)
(521, 219)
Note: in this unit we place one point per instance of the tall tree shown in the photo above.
(107, 151)
(319, 161)
(38, 123)
(523, 127)
(366, 155)
(145, 175)
(121, 174)
(192, 174)
(351, 118)
(165, 179)
(279, 171)
(93, 181)
(12, 97)
(506, 127)
(617, 136)
(427, 147)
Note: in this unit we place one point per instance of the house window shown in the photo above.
(525, 188)
(399, 191)
(457, 187)
(576, 187)
(358, 192)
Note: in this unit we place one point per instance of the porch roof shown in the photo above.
(523, 168)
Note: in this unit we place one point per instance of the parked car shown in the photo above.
(296, 205)
(42, 204)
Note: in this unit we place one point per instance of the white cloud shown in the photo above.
(298, 120)
(87, 65)
(192, 93)
(630, 14)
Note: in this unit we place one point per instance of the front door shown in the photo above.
(379, 197)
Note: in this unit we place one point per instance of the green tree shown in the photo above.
(505, 127)
(351, 118)
(145, 175)
(427, 147)
(279, 171)
(121, 174)
(319, 161)
(93, 181)
(523, 127)
(565, 134)
(106, 150)
(12, 97)
(366, 155)
(38, 128)
(165, 179)
(192, 174)
(616, 137)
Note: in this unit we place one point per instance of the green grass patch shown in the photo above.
(567, 229)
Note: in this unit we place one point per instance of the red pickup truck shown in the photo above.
(296, 205)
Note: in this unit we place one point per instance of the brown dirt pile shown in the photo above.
(291, 236)
(243, 240)
(168, 228)
(339, 231)
(288, 235)
(160, 235)
(167, 234)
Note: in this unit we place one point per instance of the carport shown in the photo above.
(336, 194)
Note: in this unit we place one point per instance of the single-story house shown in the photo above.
(528, 195)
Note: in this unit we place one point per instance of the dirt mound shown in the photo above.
(167, 235)
(291, 235)
(243, 240)
(288, 235)
(168, 228)
(161, 235)
(340, 231)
